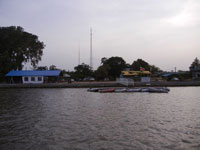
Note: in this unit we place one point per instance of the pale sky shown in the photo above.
(165, 33)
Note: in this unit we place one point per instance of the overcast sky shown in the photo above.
(165, 33)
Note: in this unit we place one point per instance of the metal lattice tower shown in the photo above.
(91, 64)
(79, 54)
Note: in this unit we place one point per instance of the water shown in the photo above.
(74, 119)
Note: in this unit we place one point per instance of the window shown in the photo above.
(25, 78)
(39, 78)
(32, 78)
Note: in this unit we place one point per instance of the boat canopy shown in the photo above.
(135, 73)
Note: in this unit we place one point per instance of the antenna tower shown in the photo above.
(79, 53)
(91, 48)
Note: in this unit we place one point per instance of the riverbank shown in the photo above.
(100, 84)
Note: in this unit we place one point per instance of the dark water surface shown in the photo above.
(59, 119)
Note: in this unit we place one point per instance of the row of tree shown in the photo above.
(110, 68)
(18, 47)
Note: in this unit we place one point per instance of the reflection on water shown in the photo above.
(77, 119)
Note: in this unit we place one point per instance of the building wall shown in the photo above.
(145, 79)
(33, 79)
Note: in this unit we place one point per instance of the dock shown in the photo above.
(101, 84)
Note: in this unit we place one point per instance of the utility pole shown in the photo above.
(91, 65)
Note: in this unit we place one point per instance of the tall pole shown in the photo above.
(79, 53)
(91, 48)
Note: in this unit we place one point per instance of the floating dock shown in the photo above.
(120, 90)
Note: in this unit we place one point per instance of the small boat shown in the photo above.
(144, 89)
(94, 89)
(120, 90)
(133, 90)
(109, 90)
(159, 90)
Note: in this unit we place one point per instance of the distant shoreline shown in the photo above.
(101, 84)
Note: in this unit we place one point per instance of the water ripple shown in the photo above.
(74, 119)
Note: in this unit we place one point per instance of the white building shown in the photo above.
(33, 76)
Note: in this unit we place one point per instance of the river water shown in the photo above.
(74, 119)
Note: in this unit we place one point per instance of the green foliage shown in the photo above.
(115, 66)
(195, 63)
(111, 68)
(82, 71)
(102, 72)
(140, 63)
(42, 68)
(53, 67)
(103, 60)
(185, 75)
(154, 69)
(18, 47)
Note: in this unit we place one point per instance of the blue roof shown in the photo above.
(20, 73)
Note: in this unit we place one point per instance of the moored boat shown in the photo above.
(144, 89)
(159, 90)
(120, 90)
(107, 90)
(94, 89)
(133, 90)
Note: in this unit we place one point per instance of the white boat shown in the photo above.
(94, 89)
(159, 90)
(133, 90)
(120, 90)
(144, 89)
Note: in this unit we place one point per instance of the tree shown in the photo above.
(140, 63)
(136, 65)
(113, 66)
(102, 72)
(42, 68)
(53, 67)
(195, 63)
(82, 71)
(154, 69)
(18, 47)
(103, 60)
